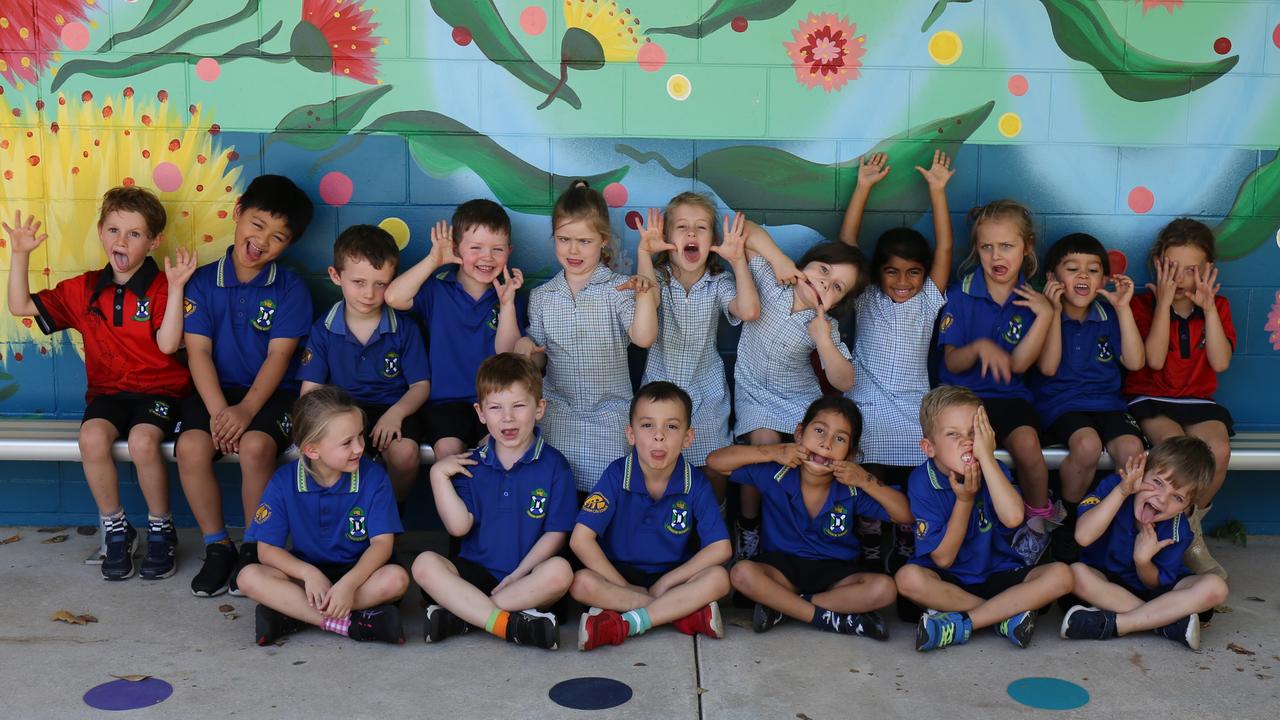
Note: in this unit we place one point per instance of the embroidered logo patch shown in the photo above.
(266, 314)
(262, 513)
(144, 310)
(678, 523)
(285, 423)
(357, 525)
(493, 318)
(1091, 500)
(391, 365)
(947, 321)
(1013, 331)
(984, 522)
(1105, 354)
(188, 307)
(306, 356)
(837, 522)
(160, 409)
(922, 528)
(537, 504)
(595, 503)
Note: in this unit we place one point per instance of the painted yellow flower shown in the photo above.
(613, 28)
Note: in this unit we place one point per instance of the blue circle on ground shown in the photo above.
(590, 693)
(128, 695)
(1044, 693)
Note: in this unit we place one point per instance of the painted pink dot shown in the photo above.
(634, 220)
(336, 188)
(167, 177)
(1119, 263)
(1222, 45)
(208, 69)
(1275, 36)
(1018, 85)
(739, 24)
(75, 36)
(1141, 200)
(462, 35)
(651, 57)
(533, 20)
(615, 194)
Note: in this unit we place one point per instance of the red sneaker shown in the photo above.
(601, 627)
(706, 620)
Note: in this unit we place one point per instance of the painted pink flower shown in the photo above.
(1166, 4)
(346, 32)
(1273, 323)
(28, 39)
(825, 51)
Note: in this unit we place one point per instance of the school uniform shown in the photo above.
(645, 538)
(1112, 552)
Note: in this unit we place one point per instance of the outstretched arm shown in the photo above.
(871, 170)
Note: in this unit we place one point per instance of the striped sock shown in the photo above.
(497, 624)
(112, 521)
(637, 621)
(341, 626)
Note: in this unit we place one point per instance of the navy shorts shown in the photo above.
(809, 576)
(275, 418)
(126, 410)
(995, 583)
(1009, 414)
(1108, 424)
(410, 427)
(636, 576)
(1183, 413)
(452, 419)
(475, 574)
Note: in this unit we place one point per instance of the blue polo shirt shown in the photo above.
(1088, 377)
(790, 530)
(511, 509)
(326, 524)
(377, 373)
(650, 535)
(1112, 552)
(988, 545)
(243, 318)
(971, 314)
(461, 332)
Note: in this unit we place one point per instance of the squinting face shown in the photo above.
(1158, 498)
(484, 253)
(1001, 249)
(126, 240)
(692, 231)
(1081, 277)
(659, 431)
(579, 248)
(342, 444)
(828, 283)
(950, 444)
(901, 279)
(510, 415)
(827, 438)
(260, 238)
(1190, 259)
(362, 284)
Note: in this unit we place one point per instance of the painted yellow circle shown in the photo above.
(399, 230)
(679, 87)
(1009, 124)
(945, 47)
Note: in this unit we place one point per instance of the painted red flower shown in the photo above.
(346, 30)
(1273, 323)
(27, 38)
(1166, 4)
(825, 51)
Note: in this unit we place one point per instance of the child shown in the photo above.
(695, 293)
(372, 352)
(1128, 569)
(336, 508)
(513, 503)
(812, 497)
(965, 565)
(988, 343)
(465, 296)
(1077, 388)
(1189, 340)
(894, 325)
(580, 323)
(245, 316)
(130, 316)
(636, 532)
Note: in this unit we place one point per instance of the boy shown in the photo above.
(965, 567)
(634, 534)
(372, 352)
(512, 502)
(469, 310)
(1133, 531)
(245, 315)
(130, 316)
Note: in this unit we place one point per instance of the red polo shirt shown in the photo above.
(119, 325)
(1186, 372)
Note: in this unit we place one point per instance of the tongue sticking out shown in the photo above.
(252, 252)
(691, 253)
(1147, 513)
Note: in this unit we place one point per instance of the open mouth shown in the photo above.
(1147, 512)
(485, 269)
(1081, 289)
(820, 460)
(901, 293)
(691, 252)
(658, 455)
(509, 433)
(573, 262)
(252, 252)
(999, 270)
(967, 458)
(120, 259)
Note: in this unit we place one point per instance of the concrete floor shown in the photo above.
(159, 629)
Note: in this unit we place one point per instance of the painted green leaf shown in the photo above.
(161, 13)
(310, 127)
(722, 13)
(937, 11)
(1243, 230)
(752, 178)
(441, 145)
(1083, 31)
(8, 391)
(490, 33)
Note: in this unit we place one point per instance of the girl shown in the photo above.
(895, 320)
(694, 293)
(773, 379)
(1189, 340)
(812, 494)
(338, 509)
(992, 330)
(580, 322)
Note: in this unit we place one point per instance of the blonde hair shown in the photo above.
(580, 201)
(941, 399)
(313, 413)
(662, 265)
(1014, 212)
(506, 370)
(1189, 462)
(1183, 232)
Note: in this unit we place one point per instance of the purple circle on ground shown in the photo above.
(590, 693)
(128, 695)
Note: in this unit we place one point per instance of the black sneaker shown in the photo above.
(271, 625)
(747, 543)
(904, 548)
(439, 623)
(870, 625)
(531, 627)
(161, 560)
(377, 623)
(219, 562)
(1185, 631)
(122, 540)
(1088, 623)
(764, 618)
(248, 556)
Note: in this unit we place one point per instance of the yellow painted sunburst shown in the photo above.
(616, 29)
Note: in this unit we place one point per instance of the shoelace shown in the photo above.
(948, 635)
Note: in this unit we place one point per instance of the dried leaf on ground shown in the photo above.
(86, 530)
(10, 539)
(54, 540)
(70, 618)
(1240, 649)
(131, 678)
(51, 529)
(640, 665)
(225, 608)
(1255, 598)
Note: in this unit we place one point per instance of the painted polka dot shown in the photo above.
(75, 36)
(533, 20)
(398, 229)
(651, 57)
(1141, 200)
(167, 177)
(945, 47)
(1222, 45)
(679, 87)
(208, 69)
(1009, 124)
(1018, 85)
(336, 188)
(1119, 263)
(615, 194)
(462, 35)
(634, 220)
(1275, 36)
(739, 24)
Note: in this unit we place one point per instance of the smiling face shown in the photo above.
(362, 284)
(260, 238)
(340, 447)
(510, 415)
(692, 230)
(1159, 497)
(659, 430)
(126, 240)
(826, 284)
(1189, 258)
(1082, 277)
(579, 248)
(950, 441)
(1001, 250)
(484, 253)
(827, 438)
(901, 279)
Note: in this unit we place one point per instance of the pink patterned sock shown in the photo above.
(337, 625)
(1044, 512)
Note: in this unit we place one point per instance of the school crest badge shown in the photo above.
(285, 423)
(1105, 353)
(306, 356)
(391, 365)
(947, 321)
(161, 409)
(143, 312)
(262, 514)
(837, 522)
(984, 522)
(493, 318)
(595, 503)
(357, 525)
(188, 307)
(678, 522)
(1014, 330)
(537, 504)
(922, 528)
(1091, 500)
(266, 314)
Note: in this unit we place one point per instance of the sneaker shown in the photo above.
(939, 630)
(904, 548)
(219, 562)
(535, 628)
(705, 620)
(872, 556)
(161, 560)
(1030, 543)
(1088, 623)
(869, 625)
(248, 556)
(122, 540)
(600, 627)
(439, 623)
(1018, 628)
(748, 545)
(1185, 631)
(271, 625)
(377, 623)
(763, 618)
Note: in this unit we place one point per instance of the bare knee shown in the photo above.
(910, 580)
(426, 566)
(95, 440)
(1123, 448)
(403, 453)
(1085, 445)
(144, 444)
(1215, 589)
(445, 447)
(390, 581)
(744, 575)
(1060, 575)
(194, 449)
(257, 449)
(251, 579)
(585, 584)
(882, 589)
(718, 578)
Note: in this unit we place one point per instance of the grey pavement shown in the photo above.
(793, 672)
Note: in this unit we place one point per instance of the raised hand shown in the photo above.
(788, 454)
(1147, 545)
(734, 243)
(22, 236)
(1132, 473)
(639, 283)
(652, 238)
(966, 486)
(984, 436)
(1207, 286)
(442, 244)
(1166, 281)
(1053, 291)
(1029, 298)
(993, 361)
(454, 465)
(1123, 293)
(872, 169)
(183, 267)
(939, 173)
(526, 347)
(512, 280)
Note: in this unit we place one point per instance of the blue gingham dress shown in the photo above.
(891, 371)
(685, 354)
(587, 386)
(773, 381)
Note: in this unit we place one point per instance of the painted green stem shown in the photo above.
(937, 11)
(1255, 215)
(161, 13)
(309, 127)
(722, 13)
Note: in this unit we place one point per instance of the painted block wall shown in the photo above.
(1105, 116)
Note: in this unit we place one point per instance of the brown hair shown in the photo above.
(662, 265)
(1012, 211)
(313, 412)
(942, 398)
(662, 391)
(480, 213)
(137, 199)
(580, 201)
(1181, 232)
(504, 370)
(1189, 462)
(837, 253)
(365, 242)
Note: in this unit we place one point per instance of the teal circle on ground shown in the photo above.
(1045, 693)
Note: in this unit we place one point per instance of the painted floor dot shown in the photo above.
(1045, 693)
(1009, 125)
(590, 693)
(128, 695)
(945, 47)
(1141, 200)
(679, 87)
